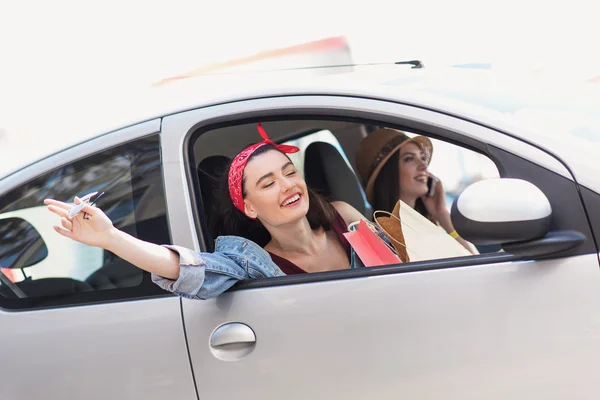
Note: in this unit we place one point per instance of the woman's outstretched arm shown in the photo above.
(96, 229)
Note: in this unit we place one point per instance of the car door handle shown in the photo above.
(232, 333)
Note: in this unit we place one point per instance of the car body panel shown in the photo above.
(418, 334)
(510, 330)
(112, 350)
(118, 350)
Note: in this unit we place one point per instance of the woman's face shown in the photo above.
(276, 194)
(413, 172)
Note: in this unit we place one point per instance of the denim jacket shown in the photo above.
(207, 275)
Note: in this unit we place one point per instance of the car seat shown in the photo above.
(328, 173)
(210, 171)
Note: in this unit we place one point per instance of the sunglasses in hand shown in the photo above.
(75, 210)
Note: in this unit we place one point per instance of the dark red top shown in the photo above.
(289, 268)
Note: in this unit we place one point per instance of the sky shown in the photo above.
(61, 60)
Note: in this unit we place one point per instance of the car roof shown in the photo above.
(433, 88)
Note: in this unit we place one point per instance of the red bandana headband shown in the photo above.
(236, 170)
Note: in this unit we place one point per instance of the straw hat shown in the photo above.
(377, 148)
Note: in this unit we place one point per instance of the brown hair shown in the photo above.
(227, 220)
(386, 190)
(376, 149)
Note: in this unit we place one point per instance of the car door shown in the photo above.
(490, 326)
(76, 321)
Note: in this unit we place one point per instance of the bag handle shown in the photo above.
(390, 215)
(376, 229)
(397, 239)
(371, 247)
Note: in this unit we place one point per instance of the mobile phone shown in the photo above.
(431, 185)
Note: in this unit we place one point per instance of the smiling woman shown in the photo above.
(300, 230)
(268, 223)
(394, 167)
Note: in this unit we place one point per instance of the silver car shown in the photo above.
(520, 320)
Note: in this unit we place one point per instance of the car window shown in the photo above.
(458, 167)
(326, 168)
(455, 166)
(131, 179)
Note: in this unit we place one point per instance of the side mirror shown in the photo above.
(499, 211)
(513, 213)
(21, 245)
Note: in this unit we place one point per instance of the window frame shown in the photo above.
(79, 153)
(454, 130)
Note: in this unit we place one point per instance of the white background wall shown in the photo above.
(61, 58)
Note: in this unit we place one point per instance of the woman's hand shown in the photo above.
(94, 229)
(436, 205)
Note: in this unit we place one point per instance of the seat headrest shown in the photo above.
(328, 173)
(212, 167)
(210, 171)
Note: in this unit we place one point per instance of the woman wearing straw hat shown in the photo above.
(394, 166)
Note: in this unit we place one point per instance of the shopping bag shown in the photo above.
(421, 238)
(369, 247)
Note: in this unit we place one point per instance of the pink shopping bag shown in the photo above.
(369, 247)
